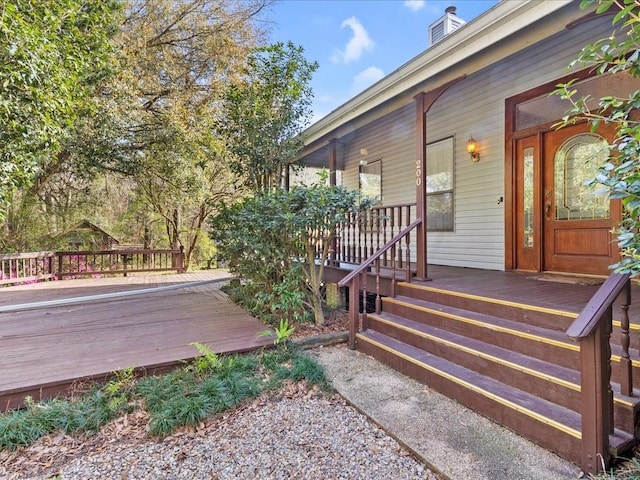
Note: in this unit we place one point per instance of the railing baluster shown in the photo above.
(393, 270)
(354, 310)
(365, 319)
(377, 267)
(407, 266)
(359, 276)
(626, 382)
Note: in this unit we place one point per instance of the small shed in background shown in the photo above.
(87, 236)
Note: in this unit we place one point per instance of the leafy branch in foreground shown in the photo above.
(615, 56)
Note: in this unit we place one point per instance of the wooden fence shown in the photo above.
(20, 268)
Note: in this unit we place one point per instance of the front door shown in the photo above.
(563, 224)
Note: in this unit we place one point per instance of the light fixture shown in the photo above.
(364, 152)
(472, 148)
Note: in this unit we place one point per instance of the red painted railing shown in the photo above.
(19, 268)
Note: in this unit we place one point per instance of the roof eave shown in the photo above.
(504, 19)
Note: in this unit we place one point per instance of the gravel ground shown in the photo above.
(300, 434)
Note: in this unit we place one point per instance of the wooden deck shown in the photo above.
(54, 333)
(557, 291)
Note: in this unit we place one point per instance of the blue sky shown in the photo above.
(357, 42)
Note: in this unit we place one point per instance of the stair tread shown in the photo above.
(555, 335)
(502, 354)
(543, 410)
(559, 371)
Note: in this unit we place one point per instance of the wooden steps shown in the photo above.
(508, 361)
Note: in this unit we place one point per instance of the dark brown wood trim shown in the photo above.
(424, 101)
(510, 156)
(589, 17)
(509, 186)
(332, 161)
(421, 193)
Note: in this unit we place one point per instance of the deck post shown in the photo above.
(180, 260)
(332, 182)
(421, 192)
(354, 310)
(596, 398)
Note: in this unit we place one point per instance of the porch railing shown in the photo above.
(21, 268)
(592, 329)
(363, 234)
(398, 258)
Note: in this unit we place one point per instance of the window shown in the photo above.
(440, 185)
(370, 178)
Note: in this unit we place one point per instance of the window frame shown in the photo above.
(450, 227)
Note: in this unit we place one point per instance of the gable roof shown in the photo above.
(87, 226)
(464, 46)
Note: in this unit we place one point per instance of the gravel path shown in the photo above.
(298, 436)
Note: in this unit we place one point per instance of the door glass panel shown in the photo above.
(527, 190)
(548, 108)
(576, 163)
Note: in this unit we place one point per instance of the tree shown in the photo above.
(157, 126)
(52, 56)
(265, 112)
(619, 177)
(279, 242)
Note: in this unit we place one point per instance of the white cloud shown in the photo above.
(365, 79)
(414, 5)
(359, 42)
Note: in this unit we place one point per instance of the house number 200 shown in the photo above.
(418, 173)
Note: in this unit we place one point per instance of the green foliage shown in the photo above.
(87, 413)
(278, 243)
(287, 362)
(208, 359)
(183, 397)
(265, 113)
(53, 54)
(619, 177)
(282, 332)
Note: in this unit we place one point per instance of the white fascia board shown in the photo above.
(504, 19)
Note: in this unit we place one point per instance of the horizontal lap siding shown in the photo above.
(391, 140)
(475, 107)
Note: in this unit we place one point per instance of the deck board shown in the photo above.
(54, 345)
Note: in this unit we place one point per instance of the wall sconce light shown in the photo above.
(472, 148)
(364, 152)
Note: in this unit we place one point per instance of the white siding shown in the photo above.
(473, 107)
(391, 140)
(476, 107)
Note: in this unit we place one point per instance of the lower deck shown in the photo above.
(54, 334)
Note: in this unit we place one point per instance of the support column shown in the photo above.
(332, 161)
(333, 258)
(424, 101)
(421, 192)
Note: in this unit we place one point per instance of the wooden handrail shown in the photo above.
(359, 276)
(16, 268)
(592, 313)
(592, 329)
(369, 261)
